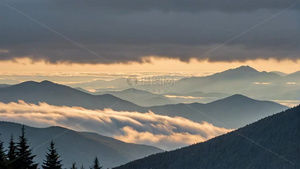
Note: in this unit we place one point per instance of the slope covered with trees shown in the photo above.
(271, 143)
(72, 146)
(19, 156)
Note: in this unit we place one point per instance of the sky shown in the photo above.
(159, 36)
(156, 65)
(68, 41)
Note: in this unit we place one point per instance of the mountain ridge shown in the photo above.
(140, 97)
(235, 114)
(231, 112)
(228, 81)
(258, 145)
(56, 94)
(74, 146)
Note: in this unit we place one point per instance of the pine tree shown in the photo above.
(82, 167)
(73, 166)
(2, 156)
(24, 153)
(12, 154)
(52, 158)
(96, 164)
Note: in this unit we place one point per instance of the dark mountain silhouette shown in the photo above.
(230, 81)
(140, 97)
(270, 143)
(148, 99)
(239, 72)
(197, 96)
(80, 147)
(231, 112)
(244, 80)
(55, 94)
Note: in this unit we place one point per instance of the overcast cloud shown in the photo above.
(129, 30)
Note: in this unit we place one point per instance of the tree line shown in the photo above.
(19, 156)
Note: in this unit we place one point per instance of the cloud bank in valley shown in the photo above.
(130, 30)
(143, 128)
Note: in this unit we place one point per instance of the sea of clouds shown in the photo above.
(134, 127)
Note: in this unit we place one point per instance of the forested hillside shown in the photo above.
(271, 143)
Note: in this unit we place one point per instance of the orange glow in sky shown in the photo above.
(156, 65)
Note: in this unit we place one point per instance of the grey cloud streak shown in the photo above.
(123, 31)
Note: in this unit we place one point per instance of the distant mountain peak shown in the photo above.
(47, 82)
(239, 72)
(36, 83)
(28, 82)
(234, 98)
(239, 96)
(246, 68)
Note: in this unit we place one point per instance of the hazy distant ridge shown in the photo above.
(231, 112)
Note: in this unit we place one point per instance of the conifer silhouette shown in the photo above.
(52, 158)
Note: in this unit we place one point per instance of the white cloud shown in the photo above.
(262, 83)
(144, 128)
(183, 97)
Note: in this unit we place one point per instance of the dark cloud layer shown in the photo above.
(123, 31)
(189, 6)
